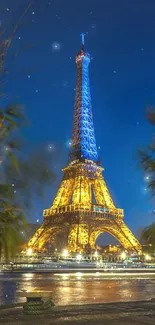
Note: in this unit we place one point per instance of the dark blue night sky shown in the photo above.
(121, 41)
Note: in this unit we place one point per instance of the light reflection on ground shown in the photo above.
(79, 288)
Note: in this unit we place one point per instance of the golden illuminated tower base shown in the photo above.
(83, 209)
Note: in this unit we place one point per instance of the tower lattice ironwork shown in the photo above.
(83, 207)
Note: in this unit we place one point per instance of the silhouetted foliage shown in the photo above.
(148, 235)
(147, 156)
(23, 172)
(147, 162)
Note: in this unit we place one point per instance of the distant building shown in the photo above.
(114, 249)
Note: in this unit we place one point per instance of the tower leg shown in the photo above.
(78, 237)
(119, 230)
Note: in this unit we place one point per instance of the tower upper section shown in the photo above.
(83, 142)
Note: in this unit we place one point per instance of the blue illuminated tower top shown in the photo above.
(83, 142)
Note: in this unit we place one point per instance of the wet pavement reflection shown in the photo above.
(70, 289)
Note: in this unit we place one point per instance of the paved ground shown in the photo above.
(135, 313)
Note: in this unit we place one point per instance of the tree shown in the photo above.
(12, 220)
(148, 235)
(20, 169)
(147, 156)
(147, 162)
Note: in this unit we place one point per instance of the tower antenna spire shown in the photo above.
(82, 37)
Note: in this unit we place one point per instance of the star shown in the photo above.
(37, 90)
(33, 13)
(19, 37)
(50, 147)
(114, 71)
(65, 83)
(137, 123)
(68, 143)
(7, 9)
(13, 184)
(142, 49)
(29, 76)
(15, 191)
(56, 47)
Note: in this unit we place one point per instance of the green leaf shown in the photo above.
(13, 159)
(15, 111)
(11, 120)
(4, 190)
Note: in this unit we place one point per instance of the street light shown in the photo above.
(147, 257)
(123, 255)
(96, 254)
(79, 257)
(65, 253)
(29, 251)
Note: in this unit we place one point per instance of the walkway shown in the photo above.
(135, 313)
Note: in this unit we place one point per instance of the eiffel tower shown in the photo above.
(83, 207)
